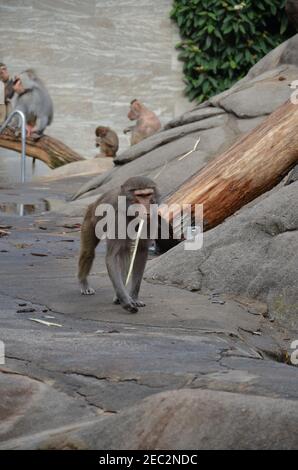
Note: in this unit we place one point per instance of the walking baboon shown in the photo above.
(138, 190)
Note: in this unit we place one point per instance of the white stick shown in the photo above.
(47, 323)
(191, 151)
(134, 251)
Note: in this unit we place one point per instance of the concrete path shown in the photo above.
(101, 360)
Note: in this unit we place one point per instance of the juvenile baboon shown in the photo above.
(107, 140)
(136, 190)
(35, 102)
(147, 122)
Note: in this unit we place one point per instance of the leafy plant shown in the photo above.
(223, 39)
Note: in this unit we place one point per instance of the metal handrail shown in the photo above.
(23, 128)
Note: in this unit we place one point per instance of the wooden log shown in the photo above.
(252, 166)
(47, 149)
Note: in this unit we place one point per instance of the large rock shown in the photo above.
(218, 122)
(253, 253)
(31, 406)
(92, 166)
(185, 419)
(92, 374)
(293, 176)
(262, 98)
(161, 162)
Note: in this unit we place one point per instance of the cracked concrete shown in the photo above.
(67, 381)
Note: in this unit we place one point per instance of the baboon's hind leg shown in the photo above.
(89, 242)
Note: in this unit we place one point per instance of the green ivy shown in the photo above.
(223, 39)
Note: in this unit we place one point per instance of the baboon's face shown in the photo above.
(18, 86)
(134, 111)
(4, 76)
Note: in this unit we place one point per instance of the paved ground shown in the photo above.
(101, 360)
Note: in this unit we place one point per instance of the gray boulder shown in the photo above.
(218, 122)
(293, 176)
(185, 419)
(28, 404)
(253, 253)
(262, 98)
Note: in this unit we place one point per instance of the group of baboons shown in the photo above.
(32, 98)
(147, 123)
(28, 94)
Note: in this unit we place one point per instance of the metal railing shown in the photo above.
(23, 134)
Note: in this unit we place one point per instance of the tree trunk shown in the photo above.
(252, 166)
(47, 149)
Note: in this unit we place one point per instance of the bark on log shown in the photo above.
(252, 166)
(47, 149)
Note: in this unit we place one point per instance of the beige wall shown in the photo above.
(95, 56)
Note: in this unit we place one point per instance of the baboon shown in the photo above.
(35, 102)
(147, 122)
(136, 190)
(107, 140)
(7, 83)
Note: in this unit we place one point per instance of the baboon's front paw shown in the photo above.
(87, 291)
(131, 307)
(139, 303)
(35, 136)
(116, 301)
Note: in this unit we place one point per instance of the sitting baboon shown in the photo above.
(147, 122)
(138, 190)
(34, 101)
(6, 92)
(107, 140)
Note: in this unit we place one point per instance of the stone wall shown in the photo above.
(95, 56)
